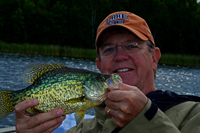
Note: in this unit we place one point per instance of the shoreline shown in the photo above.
(57, 50)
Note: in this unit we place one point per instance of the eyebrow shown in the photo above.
(105, 44)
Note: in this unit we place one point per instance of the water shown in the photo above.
(183, 80)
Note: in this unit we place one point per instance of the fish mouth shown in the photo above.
(99, 99)
(123, 70)
(114, 81)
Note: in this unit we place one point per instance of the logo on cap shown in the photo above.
(117, 19)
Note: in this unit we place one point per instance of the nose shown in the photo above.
(122, 47)
(120, 54)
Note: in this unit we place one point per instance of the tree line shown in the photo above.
(173, 23)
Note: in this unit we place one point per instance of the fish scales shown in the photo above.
(73, 90)
(52, 95)
(38, 92)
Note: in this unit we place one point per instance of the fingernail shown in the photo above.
(35, 101)
(60, 112)
(62, 117)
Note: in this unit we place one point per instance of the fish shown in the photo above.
(57, 86)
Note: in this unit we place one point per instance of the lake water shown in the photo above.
(183, 80)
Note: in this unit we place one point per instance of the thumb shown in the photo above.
(126, 87)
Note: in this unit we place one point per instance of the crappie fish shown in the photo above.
(57, 86)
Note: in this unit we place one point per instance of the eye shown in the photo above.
(108, 49)
(131, 46)
(102, 78)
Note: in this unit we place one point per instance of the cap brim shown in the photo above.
(135, 32)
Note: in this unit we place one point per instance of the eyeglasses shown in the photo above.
(110, 50)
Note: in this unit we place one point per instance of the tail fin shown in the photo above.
(6, 106)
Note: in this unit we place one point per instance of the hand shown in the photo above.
(125, 104)
(41, 123)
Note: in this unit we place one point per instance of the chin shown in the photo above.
(127, 78)
(128, 81)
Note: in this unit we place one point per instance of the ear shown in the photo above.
(98, 64)
(156, 57)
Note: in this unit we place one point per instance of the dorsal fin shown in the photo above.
(35, 70)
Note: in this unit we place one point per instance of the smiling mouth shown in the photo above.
(123, 70)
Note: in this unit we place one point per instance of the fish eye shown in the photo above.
(102, 78)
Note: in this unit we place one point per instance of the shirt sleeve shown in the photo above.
(182, 118)
(86, 126)
(150, 120)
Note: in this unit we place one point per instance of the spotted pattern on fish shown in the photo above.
(57, 86)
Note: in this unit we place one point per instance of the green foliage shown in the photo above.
(55, 50)
(174, 23)
(77, 52)
(180, 59)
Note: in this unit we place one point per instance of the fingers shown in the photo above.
(44, 122)
(108, 111)
(124, 91)
(41, 123)
(118, 95)
(49, 125)
(127, 101)
(21, 107)
(52, 128)
(124, 104)
(126, 87)
(119, 118)
(44, 117)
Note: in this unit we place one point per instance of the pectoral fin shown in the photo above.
(79, 117)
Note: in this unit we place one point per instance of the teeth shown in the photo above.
(123, 70)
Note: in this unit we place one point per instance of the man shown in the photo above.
(125, 46)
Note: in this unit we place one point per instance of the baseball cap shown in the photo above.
(128, 20)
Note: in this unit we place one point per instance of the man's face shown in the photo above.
(135, 69)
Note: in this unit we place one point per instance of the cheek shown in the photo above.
(137, 60)
(105, 66)
(142, 62)
(145, 58)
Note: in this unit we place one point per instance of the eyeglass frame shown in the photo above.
(150, 45)
(129, 47)
(151, 48)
